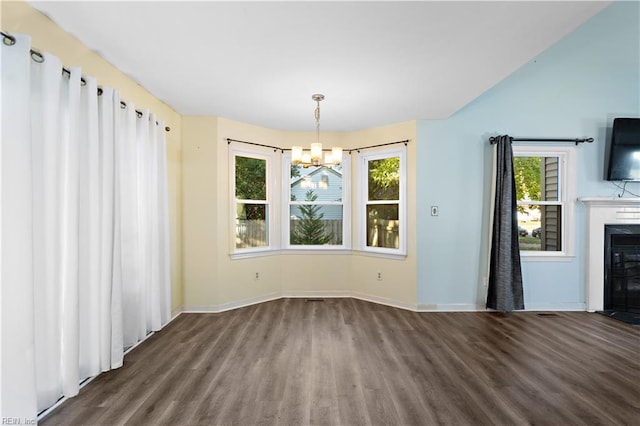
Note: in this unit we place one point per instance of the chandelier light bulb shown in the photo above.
(315, 157)
(316, 153)
(296, 154)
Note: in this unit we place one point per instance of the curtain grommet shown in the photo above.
(8, 40)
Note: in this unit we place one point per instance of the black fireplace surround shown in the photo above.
(622, 272)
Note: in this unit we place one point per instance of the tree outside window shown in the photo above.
(316, 207)
(252, 208)
(383, 203)
(539, 202)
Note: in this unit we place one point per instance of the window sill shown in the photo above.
(395, 256)
(251, 254)
(561, 257)
(333, 252)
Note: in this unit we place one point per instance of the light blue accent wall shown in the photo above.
(573, 89)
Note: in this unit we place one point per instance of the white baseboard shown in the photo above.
(384, 301)
(435, 307)
(451, 307)
(297, 294)
(567, 306)
(331, 294)
(231, 305)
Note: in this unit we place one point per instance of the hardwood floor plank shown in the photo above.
(351, 362)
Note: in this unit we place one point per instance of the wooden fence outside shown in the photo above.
(381, 233)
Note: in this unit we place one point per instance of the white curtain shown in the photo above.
(85, 244)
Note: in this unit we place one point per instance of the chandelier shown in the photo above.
(316, 156)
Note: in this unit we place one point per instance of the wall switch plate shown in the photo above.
(434, 210)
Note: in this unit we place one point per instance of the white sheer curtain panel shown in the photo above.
(85, 241)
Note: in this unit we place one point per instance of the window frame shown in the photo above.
(286, 208)
(363, 200)
(271, 201)
(566, 200)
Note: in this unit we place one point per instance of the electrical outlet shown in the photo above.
(379, 276)
(257, 276)
(434, 210)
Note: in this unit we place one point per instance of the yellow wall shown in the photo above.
(20, 17)
(399, 283)
(214, 281)
(204, 276)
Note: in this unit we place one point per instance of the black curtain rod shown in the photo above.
(275, 148)
(405, 142)
(38, 57)
(494, 139)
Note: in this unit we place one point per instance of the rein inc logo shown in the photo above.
(17, 421)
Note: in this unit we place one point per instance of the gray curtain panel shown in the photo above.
(505, 274)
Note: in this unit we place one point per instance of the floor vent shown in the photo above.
(548, 315)
(315, 299)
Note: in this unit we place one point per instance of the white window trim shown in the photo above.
(346, 209)
(362, 198)
(273, 199)
(567, 175)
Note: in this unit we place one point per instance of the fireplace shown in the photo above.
(602, 212)
(622, 268)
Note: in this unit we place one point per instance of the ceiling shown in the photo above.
(377, 63)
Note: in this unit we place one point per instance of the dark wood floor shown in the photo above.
(346, 361)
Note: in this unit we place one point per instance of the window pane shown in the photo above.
(251, 178)
(382, 226)
(315, 225)
(251, 225)
(325, 183)
(384, 179)
(536, 178)
(539, 228)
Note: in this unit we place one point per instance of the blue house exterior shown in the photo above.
(326, 183)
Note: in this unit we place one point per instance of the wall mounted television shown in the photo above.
(624, 150)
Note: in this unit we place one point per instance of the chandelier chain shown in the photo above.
(317, 115)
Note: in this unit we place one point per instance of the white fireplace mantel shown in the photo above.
(603, 211)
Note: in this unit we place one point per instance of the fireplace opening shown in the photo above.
(622, 272)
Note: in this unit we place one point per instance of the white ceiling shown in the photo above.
(377, 63)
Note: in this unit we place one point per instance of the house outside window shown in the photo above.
(383, 201)
(251, 201)
(545, 185)
(316, 206)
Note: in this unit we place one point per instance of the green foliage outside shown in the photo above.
(384, 184)
(295, 170)
(527, 177)
(309, 230)
(251, 178)
(384, 179)
(251, 184)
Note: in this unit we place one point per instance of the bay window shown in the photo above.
(316, 205)
(252, 210)
(383, 195)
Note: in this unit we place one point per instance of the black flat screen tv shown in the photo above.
(624, 150)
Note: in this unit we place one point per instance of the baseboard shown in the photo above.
(331, 294)
(297, 294)
(451, 307)
(427, 307)
(384, 301)
(175, 313)
(231, 305)
(568, 306)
